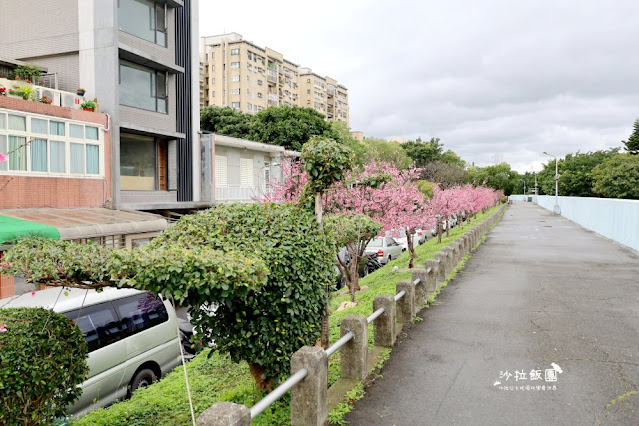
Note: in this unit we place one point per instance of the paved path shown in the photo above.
(540, 290)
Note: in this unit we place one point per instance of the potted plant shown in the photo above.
(46, 100)
(3, 91)
(81, 91)
(88, 105)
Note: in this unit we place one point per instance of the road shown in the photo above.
(540, 290)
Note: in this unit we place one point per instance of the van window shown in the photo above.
(99, 325)
(140, 312)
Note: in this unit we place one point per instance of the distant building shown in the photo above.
(397, 139)
(242, 75)
(357, 135)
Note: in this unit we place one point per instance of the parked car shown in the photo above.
(131, 335)
(371, 264)
(386, 248)
(419, 238)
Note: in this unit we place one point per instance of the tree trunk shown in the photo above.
(448, 228)
(261, 383)
(439, 231)
(411, 248)
(318, 215)
(354, 276)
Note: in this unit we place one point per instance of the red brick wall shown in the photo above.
(22, 192)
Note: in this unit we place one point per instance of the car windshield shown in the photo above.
(376, 242)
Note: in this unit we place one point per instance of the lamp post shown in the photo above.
(556, 209)
(524, 187)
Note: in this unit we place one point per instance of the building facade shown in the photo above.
(239, 74)
(140, 59)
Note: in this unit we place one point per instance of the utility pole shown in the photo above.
(556, 209)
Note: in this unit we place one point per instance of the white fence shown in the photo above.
(612, 218)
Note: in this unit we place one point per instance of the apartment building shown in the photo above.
(140, 59)
(324, 95)
(244, 76)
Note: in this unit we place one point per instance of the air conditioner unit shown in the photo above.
(69, 100)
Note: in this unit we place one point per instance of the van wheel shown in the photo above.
(142, 379)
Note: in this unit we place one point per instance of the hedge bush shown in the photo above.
(268, 325)
(43, 360)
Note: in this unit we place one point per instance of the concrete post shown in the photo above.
(448, 252)
(406, 305)
(225, 414)
(308, 397)
(354, 354)
(384, 325)
(442, 267)
(433, 276)
(421, 289)
(456, 251)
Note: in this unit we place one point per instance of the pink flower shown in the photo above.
(3, 158)
(33, 293)
(3, 328)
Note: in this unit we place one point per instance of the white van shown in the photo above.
(131, 335)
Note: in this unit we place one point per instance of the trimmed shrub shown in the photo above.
(43, 359)
(269, 324)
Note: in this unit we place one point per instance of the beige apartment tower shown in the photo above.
(241, 75)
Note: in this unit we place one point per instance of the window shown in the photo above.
(235, 78)
(91, 133)
(140, 312)
(99, 325)
(259, 82)
(57, 157)
(3, 121)
(18, 158)
(76, 131)
(235, 105)
(145, 19)
(235, 65)
(17, 122)
(213, 95)
(77, 158)
(56, 128)
(212, 80)
(250, 55)
(246, 172)
(221, 170)
(142, 87)
(39, 126)
(235, 52)
(235, 91)
(93, 159)
(138, 165)
(39, 155)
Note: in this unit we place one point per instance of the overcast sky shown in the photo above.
(494, 79)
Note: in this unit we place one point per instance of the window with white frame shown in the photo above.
(39, 145)
(235, 65)
(235, 78)
(246, 172)
(235, 105)
(235, 51)
(235, 91)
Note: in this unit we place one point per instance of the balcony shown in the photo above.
(57, 97)
(272, 78)
(272, 102)
(331, 91)
(272, 97)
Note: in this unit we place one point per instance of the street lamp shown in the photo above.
(556, 209)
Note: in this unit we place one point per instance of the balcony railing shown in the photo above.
(58, 97)
(247, 194)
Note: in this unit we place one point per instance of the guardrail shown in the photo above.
(308, 382)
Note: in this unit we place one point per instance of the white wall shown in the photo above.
(612, 218)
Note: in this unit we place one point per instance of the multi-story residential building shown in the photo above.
(324, 95)
(140, 59)
(241, 75)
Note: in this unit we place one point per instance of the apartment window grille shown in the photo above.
(235, 91)
(235, 65)
(235, 78)
(235, 52)
(235, 105)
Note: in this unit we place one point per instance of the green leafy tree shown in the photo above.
(499, 176)
(226, 121)
(354, 232)
(451, 158)
(618, 177)
(43, 359)
(342, 135)
(381, 150)
(575, 170)
(443, 174)
(426, 188)
(423, 152)
(632, 144)
(290, 127)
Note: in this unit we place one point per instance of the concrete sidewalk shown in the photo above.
(540, 290)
